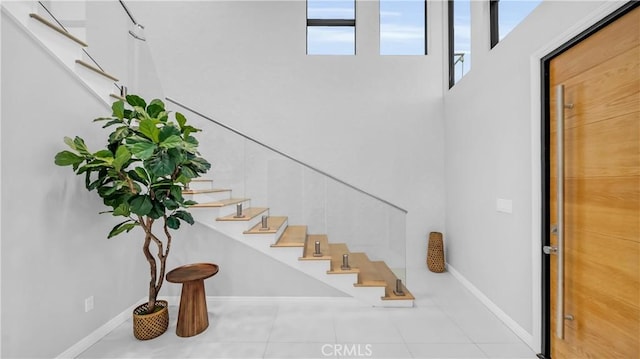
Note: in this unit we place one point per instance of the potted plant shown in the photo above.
(141, 173)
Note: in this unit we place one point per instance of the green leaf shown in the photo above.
(171, 204)
(103, 154)
(168, 131)
(81, 147)
(149, 129)
(122, 157)
(67, 158)
(189, 203)
(185, 216)
(154, 110)
(157, 211)
(181, 120)
(173, 222)
(140, 204)
(162, 164)
(142, 149)
(157, 102)
(121, 227)
(69, 142)
(112, 122)
(103, 119)
(122, 210)
(136, 177)
(118, 109)
(136, 101)
(171, 142)
(142, 173)
(119, 134)
(176, 193)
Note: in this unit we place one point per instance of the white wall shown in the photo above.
(54, 247)
(373, 121)
(493, 151)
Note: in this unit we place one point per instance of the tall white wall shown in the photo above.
(373, 121)
(493, 151)
(54, 247)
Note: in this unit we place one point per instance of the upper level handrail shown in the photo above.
(126, 9)
(285, 155)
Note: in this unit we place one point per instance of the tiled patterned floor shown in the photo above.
(447, 322)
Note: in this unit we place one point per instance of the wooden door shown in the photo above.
(601, 140)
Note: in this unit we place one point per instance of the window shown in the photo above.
(331, 27)
(459, 14)
(506, 15)
(403, 27)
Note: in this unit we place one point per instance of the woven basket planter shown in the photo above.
(149, 326)
(435, 253)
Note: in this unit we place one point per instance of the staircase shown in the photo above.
(371, 282)
(65, 44)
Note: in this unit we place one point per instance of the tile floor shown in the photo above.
(446, 322)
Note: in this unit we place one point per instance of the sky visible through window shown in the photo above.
(510, 13)
(331, 40)
(402, 27)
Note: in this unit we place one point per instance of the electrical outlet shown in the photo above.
(88, 304)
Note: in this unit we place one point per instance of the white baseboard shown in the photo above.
(99, 333)
(506, 319)
(86, 342)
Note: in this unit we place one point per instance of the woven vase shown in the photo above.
(149, 326)
(435, 253)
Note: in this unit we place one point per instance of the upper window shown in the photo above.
(402, 27)
(459, 15)
(331, 27)
(506, 15)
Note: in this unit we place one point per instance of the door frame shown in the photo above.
(545, 61)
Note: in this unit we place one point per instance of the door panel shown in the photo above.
(601, 79)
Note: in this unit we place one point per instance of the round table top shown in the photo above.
(191, 272)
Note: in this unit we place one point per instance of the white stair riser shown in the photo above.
(201, 185)
(208, 197)
(273, 237)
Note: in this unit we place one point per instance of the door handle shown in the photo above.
(560, 106)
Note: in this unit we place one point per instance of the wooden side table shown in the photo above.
(193, 318)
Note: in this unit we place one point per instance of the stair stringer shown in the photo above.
(64, 50)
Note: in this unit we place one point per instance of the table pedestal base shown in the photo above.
(193, 317)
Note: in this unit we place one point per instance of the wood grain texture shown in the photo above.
(293, 236)
(602, 194)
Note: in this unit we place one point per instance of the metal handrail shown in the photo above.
(126, 9)
(285, 155)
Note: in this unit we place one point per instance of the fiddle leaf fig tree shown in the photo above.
(140, 175)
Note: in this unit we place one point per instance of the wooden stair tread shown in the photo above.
(97, 70)
(201, 191)
(273, 222)
(390, 278)
(309, 247)
(293, 236)
(221, 203)
(368, 275)
(337, 250)
(58, 29)
(249, 213)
